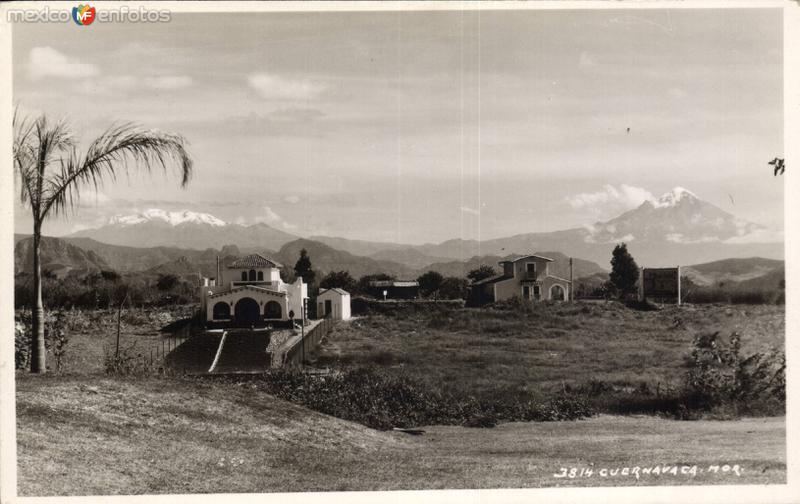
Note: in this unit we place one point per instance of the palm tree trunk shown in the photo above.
(38, 352)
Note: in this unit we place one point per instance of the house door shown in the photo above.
(328, 307)
(246, 312)
(526, 292)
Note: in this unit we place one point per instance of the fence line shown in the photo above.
(296, 354)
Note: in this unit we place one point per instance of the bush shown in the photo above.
(128, 361)
(719, 376)
(382, 401)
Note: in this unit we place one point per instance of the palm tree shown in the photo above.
(52, 172)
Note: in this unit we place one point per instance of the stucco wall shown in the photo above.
(506, 289)
(261, 297)
(340, 304)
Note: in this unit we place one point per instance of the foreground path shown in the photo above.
(97, 435)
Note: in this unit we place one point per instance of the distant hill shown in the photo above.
(126, 259)
(325, 259)
(57, 257)
(741, 271)
(408, 256)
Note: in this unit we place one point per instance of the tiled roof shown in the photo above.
(528, 257)
(254, 261)
(491, 279)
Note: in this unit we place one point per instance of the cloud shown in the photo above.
(611, 200)
(758, 236)
(293, 199)
(274, 87)
(270, 217)
(47, 62)
(168, 82)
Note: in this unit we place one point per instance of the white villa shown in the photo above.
(249, 292)
(527, 277)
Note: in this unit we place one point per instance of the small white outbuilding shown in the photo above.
(334, 303)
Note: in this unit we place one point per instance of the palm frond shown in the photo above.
(116, 150)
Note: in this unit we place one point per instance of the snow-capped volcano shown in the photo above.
(674, 197)
(678, 216)
(171, 218)
(187, 229)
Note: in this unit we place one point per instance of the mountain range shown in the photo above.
(677, 228)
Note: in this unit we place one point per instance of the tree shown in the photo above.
(167, 282)
(338, 279)
(302, 268)
(481, 272)
(624, 271)
(52, 173)
(430, 283)
(453, 288)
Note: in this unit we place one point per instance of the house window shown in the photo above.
(537, 292)
(530, 270)
(244, 276)
(252, 275)
(260, 276)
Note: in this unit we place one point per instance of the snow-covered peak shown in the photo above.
(172, 218)
(674, 197)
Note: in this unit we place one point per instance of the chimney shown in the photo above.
(218, 280)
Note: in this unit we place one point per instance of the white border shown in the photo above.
(722, 494)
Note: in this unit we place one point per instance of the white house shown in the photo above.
(526, 277)
(250, 292)
(334, 303)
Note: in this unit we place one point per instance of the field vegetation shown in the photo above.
(606, 356)
(101, 435)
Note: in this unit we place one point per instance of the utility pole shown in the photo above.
(119, 320)
(304, 309)
(679, 285)
(571, 285)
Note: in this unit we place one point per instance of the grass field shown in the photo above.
(85, 432)
(92, 333)
(94, 435)
(546, 348)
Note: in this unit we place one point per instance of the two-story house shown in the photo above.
(526, 277)
(250, 292)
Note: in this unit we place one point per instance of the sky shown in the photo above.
(418, 127)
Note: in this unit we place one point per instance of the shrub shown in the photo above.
(719, 376)
(22, 341)
(128, 361)
(382, 401)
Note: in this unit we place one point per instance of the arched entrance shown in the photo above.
(246, 312)
(272, 310)
(222, 310)
(557, 293)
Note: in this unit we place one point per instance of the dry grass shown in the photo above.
(547, 348)
(83, 435)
